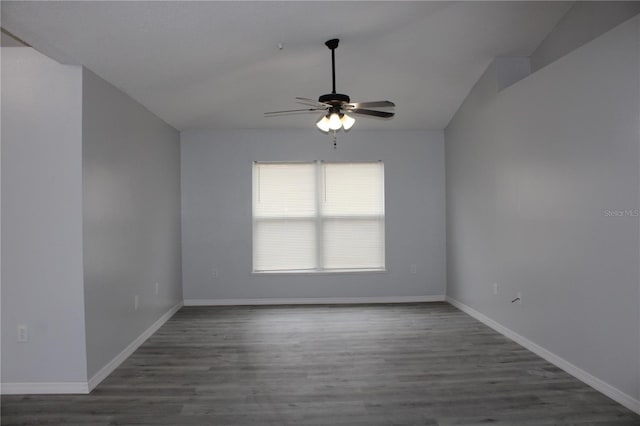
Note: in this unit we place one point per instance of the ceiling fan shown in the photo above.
(334, 106)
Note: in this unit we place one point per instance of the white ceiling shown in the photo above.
(217, 65)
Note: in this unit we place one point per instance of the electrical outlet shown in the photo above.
(136, 303)
(214, 272)
(23, 333)
(413, 268)
(157, 289)
(495, 288)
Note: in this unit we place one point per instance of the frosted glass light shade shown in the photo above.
(334, 122)
(347, 122)
(323, 124)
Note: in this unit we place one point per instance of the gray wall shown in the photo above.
(532, 172)
(131, 209)
(41, 219)
(585, 21)
(216, 212)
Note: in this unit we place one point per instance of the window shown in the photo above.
(318, 217)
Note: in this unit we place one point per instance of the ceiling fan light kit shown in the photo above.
(334, 121)
(334, 106)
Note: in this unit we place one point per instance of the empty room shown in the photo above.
(320, 213)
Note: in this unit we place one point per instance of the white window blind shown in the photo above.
(318, 216)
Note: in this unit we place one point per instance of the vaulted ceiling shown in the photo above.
(217, 65)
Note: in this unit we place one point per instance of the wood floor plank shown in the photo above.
(397, 364)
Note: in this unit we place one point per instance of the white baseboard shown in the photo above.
(44, 388)
(86, 387)
(313, 301)
(131, 348)
(596, 383)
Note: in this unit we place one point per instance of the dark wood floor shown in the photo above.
(412, 364)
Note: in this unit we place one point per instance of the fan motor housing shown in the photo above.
(334, 99)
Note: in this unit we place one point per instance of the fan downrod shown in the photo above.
(333, 98)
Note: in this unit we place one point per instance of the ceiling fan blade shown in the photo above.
(382, 114)
(289, 111)
(376, 104)
(313, 102)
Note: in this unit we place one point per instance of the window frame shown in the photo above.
(319, 219)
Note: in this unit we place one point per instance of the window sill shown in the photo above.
(332, 272)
